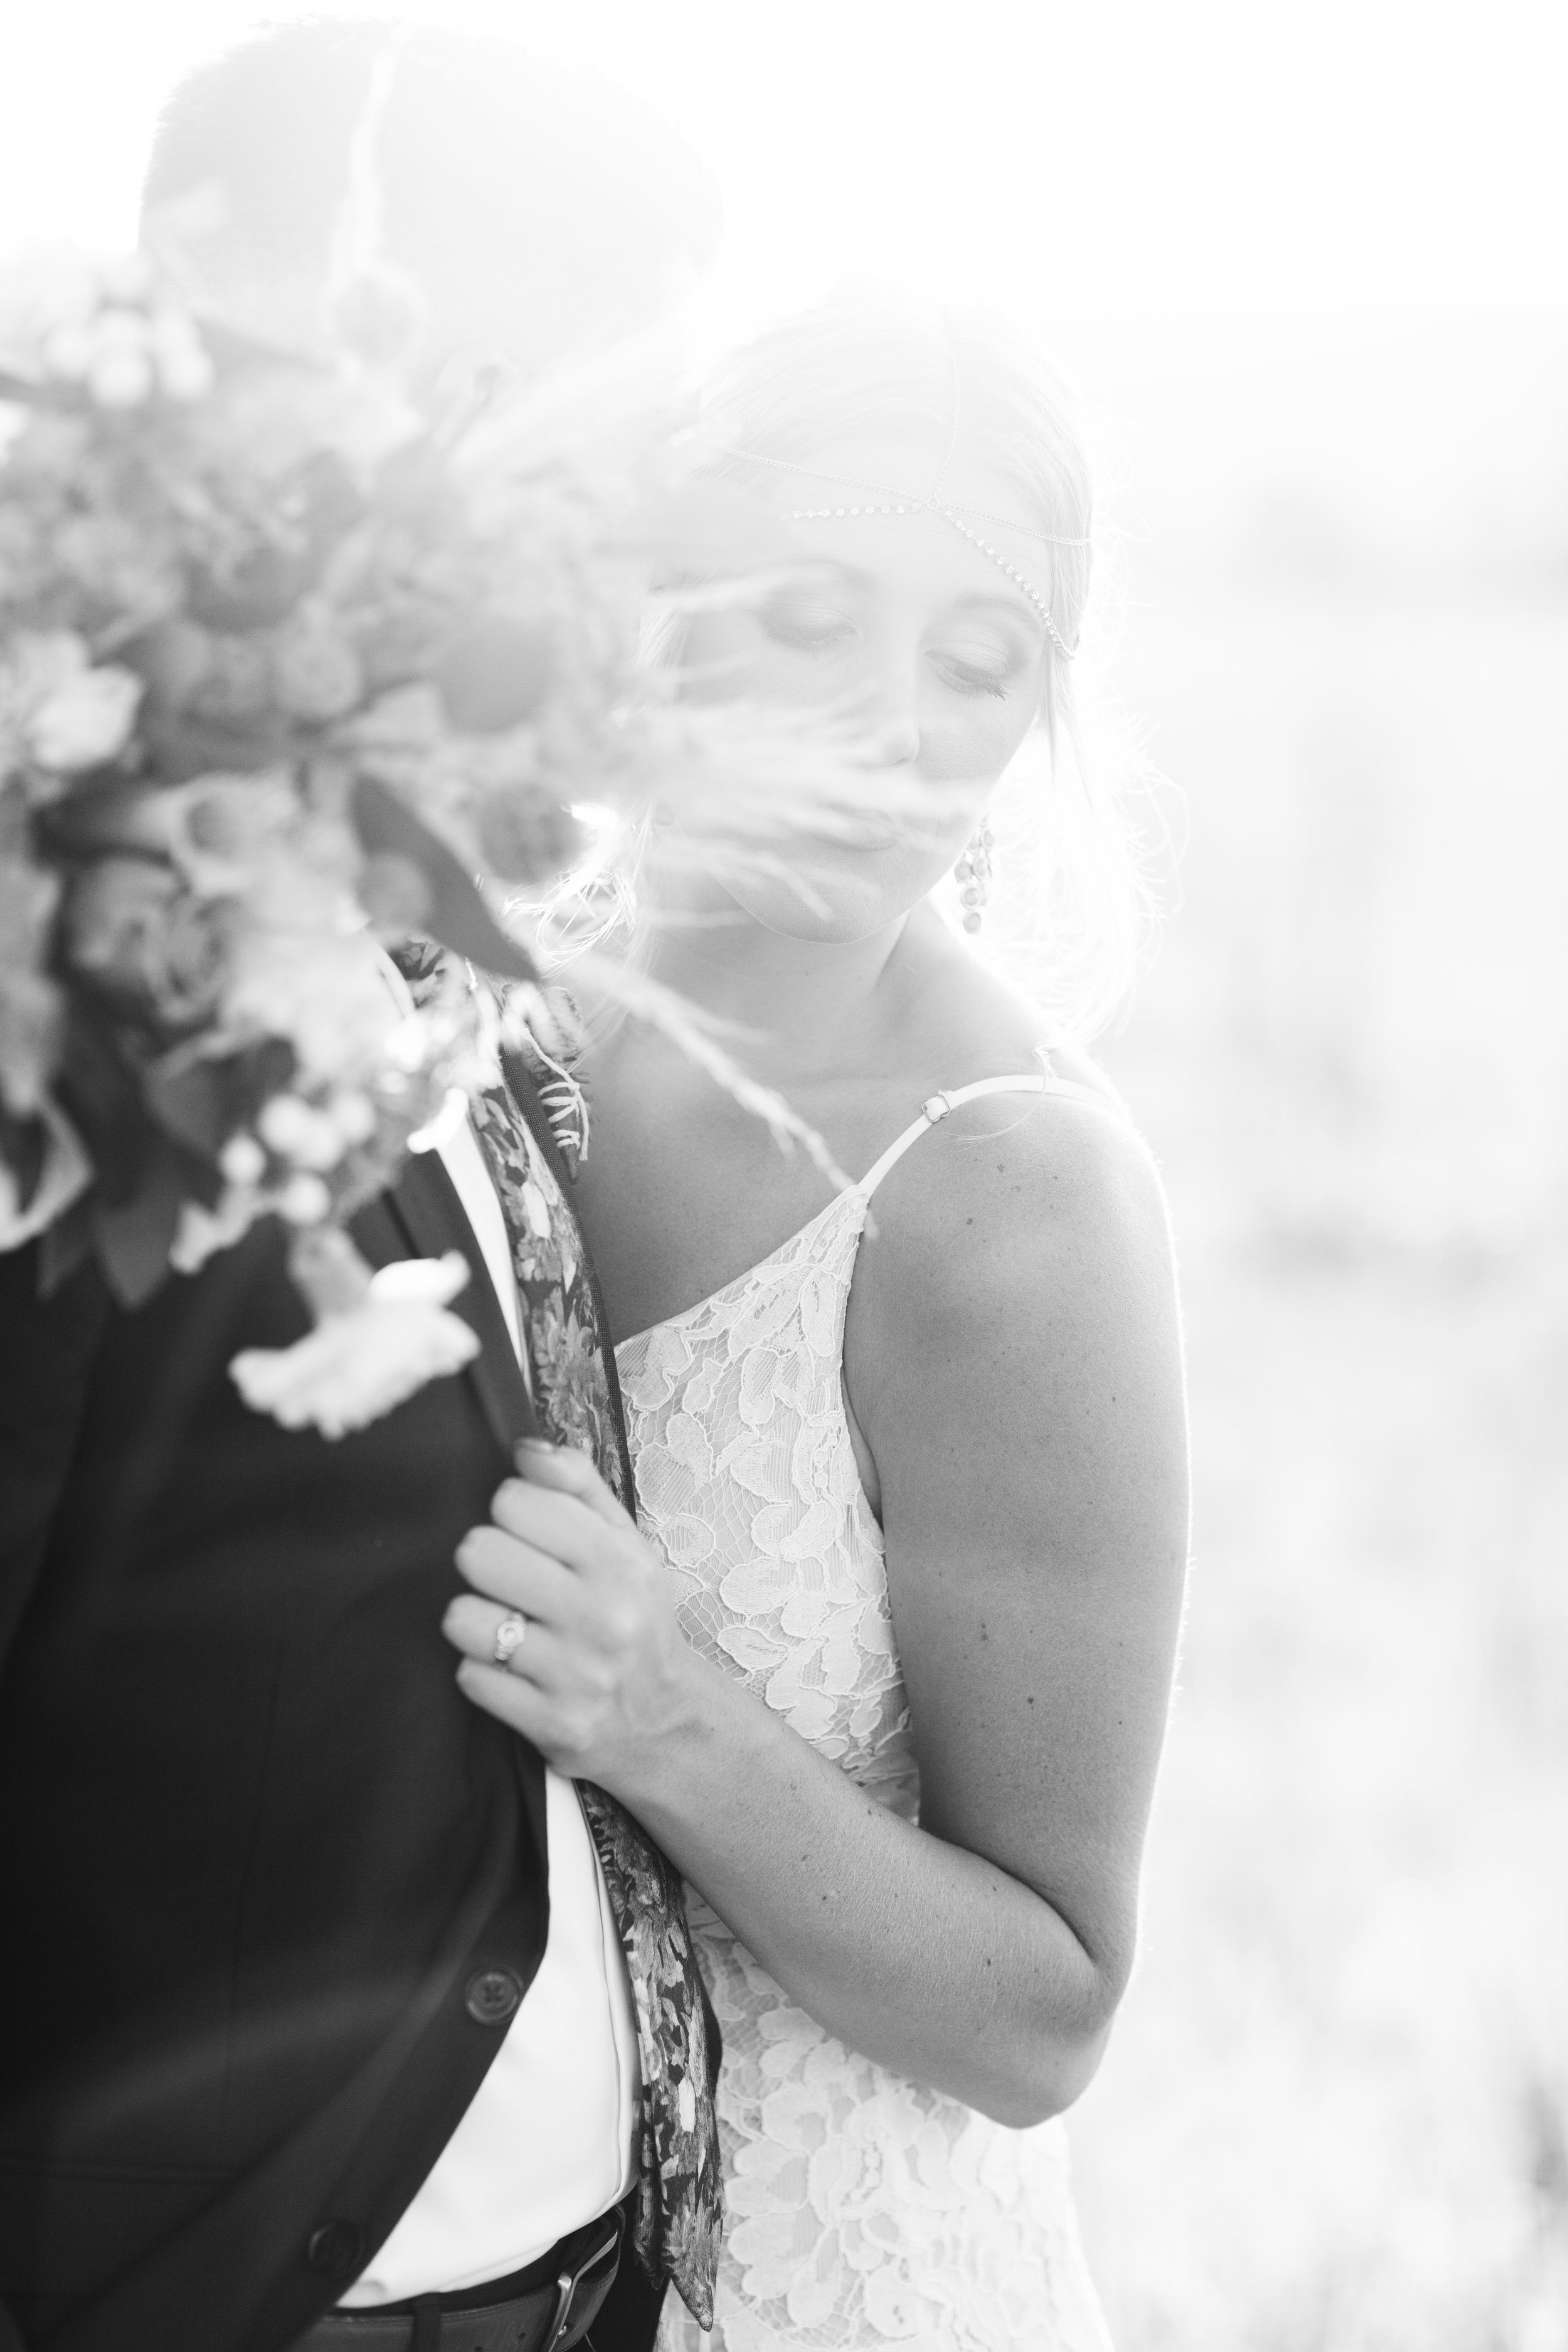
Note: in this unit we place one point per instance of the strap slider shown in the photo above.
(937, 1108)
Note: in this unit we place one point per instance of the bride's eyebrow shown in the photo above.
(1015, 608)
(830, 569)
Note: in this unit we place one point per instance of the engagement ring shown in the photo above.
(510, 1634)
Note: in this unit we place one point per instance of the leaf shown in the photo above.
(65, 1244)
(191, 1105)
(256, 1073)
(24, 1146)
(199, 1100)
(104, 815)
(133, 1241)
(101, 1094)
(458, 916)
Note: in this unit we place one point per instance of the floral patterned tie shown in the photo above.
(679, 2193)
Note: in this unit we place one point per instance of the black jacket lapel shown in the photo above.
(425, 1205)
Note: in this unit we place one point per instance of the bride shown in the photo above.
(886, 1670)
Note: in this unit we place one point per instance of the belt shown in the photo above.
(549, 2307)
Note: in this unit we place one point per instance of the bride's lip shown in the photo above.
(865, 833)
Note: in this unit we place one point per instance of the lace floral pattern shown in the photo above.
(864, 2209)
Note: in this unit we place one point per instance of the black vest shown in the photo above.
(272, 1888)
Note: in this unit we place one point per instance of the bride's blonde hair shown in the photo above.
(1070, 906)
(879, 365)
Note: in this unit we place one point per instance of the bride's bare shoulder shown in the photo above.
(1024, 1205)
(1032, 1184)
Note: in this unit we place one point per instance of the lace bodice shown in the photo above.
(863, 2209)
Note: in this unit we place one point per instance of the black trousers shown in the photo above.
(627, 2319)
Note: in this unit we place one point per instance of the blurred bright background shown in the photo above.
(1308, 270)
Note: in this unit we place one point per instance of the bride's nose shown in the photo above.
(892, 717)
(899, 741)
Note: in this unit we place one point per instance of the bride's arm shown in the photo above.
(1014, 1364)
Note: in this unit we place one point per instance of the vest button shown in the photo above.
(492, 1996)
(334, 2251)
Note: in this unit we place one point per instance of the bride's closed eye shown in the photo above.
(992, 671)
(805, 623)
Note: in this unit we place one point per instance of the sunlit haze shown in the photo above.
(1307, 269)
(1007, 148)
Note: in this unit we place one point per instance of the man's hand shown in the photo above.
(601, 1675)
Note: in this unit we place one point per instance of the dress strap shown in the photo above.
(937, 1108)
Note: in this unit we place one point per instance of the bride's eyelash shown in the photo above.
(969, 680)
(806, 631)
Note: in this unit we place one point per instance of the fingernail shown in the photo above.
(537, 1445)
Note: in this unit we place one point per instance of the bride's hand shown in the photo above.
(602, 1676)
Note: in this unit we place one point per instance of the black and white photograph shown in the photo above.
(784, 1177)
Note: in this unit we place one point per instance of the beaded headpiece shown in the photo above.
(885, 503)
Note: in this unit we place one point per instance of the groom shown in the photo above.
(317, 2023)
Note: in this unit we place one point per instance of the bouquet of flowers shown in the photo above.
(285, 679)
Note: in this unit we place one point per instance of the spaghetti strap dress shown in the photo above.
(864, 2209)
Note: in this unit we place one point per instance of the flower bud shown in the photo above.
(278, 1121)
(354, 1116)
(304, 1201)
(184, 367)
(70, 350)
(86, 721)
(121, 377)
(242, 1160)
(316, 672)
(186, 374)
(289, 1126)
(116, 330)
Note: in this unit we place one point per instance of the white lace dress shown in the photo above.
(863, 2209)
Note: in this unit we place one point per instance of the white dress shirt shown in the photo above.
(546, 2143)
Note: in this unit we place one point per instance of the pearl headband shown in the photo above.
(883, 505)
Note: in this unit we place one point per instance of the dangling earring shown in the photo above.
(973, 875)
